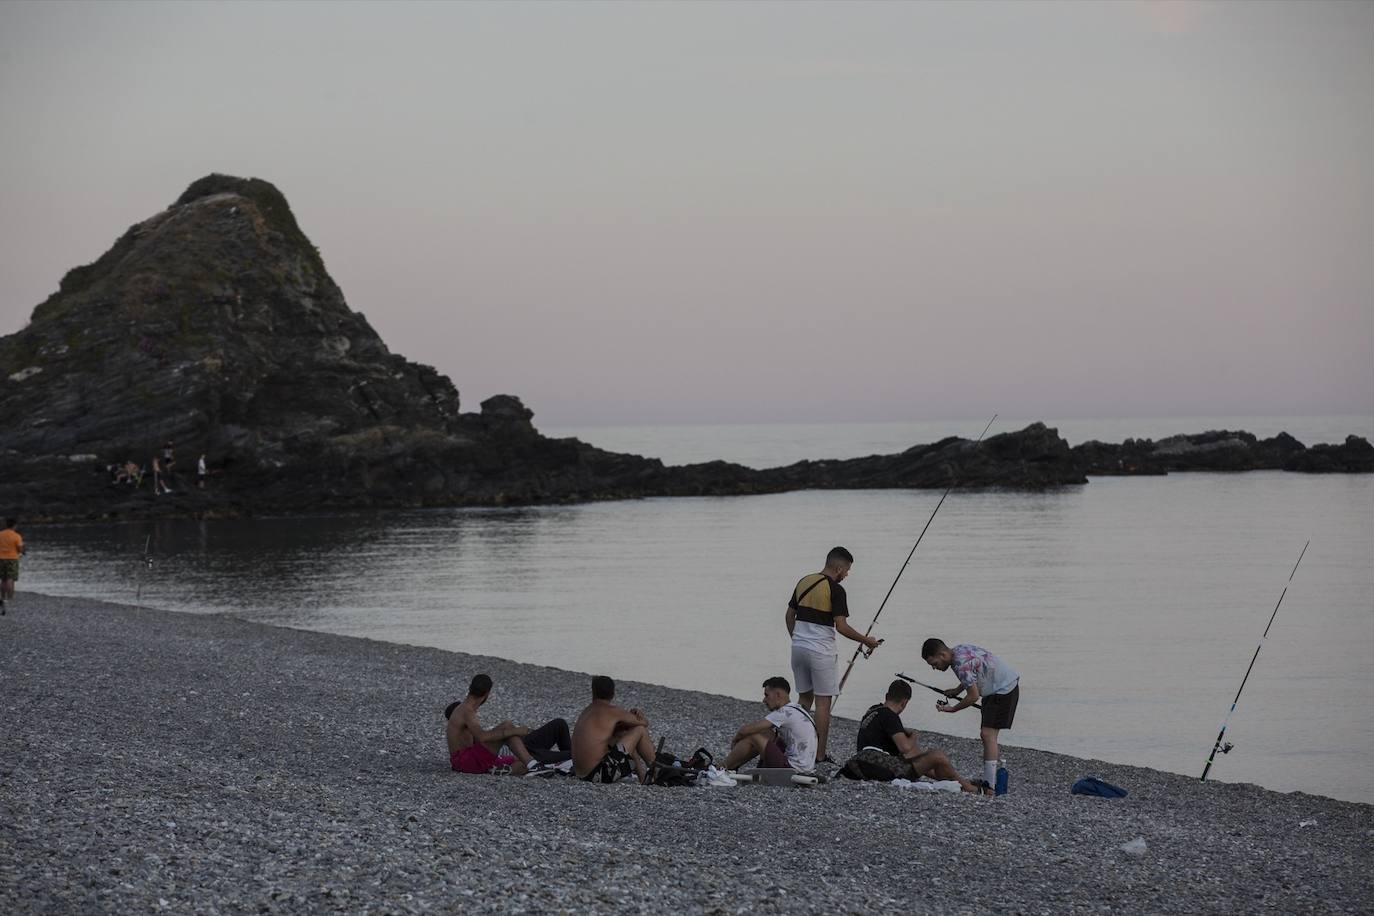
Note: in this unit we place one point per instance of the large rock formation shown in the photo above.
(215, 325)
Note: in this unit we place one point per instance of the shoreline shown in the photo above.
(219, 764)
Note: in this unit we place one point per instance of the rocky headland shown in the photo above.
(215, 326)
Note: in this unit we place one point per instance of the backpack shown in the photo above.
(1091, 785)
(874, 765)
(671, 770)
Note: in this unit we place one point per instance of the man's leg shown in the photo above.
(936, 765)
(805, 699)
(639, 746)
(989, 736)
(542, 741)
(514, 745)
(745, 750)
(822, 725)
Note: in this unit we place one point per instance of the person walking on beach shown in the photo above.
(887, 745)
(786, 737)
(982, 676)
(609, 742)
(817, 609)
(474, 749)
(11, 548)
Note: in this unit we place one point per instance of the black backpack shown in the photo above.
(871, 766)
(671, 770)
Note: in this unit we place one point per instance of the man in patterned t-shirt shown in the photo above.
(984, 676)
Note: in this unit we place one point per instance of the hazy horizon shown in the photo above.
(729, 213)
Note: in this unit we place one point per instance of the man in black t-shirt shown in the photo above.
(884, 742)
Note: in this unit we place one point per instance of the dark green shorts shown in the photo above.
(9, 569)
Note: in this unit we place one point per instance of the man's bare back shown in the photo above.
(600, 728)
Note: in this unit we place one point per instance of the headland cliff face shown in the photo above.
(215, 326)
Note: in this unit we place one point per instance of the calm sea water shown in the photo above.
(1130, 606)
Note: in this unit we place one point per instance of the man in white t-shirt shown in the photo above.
(786, 737)
(817, 610)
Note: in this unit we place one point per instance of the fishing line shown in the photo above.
(1222, 734)
(860, 649)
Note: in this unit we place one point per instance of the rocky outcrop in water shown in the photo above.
(215, 326)
(1223, 450)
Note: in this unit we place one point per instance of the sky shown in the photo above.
(754, 212)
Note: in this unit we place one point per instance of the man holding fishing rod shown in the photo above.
(817, 609)
(984, 676)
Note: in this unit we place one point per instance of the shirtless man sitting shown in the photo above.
(474, 749)
(607, 740)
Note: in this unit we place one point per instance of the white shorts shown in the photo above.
(815, 673)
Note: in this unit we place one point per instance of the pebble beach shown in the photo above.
(155, 760)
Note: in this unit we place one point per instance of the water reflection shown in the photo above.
(1130, 606)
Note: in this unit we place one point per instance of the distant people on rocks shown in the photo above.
(610, 743)
(168, 456)
(474, 749)
(201, 471)
(161, 484)
(887, 747)
(785, 738)
(11, 548)
(984, 676)
(817, 609)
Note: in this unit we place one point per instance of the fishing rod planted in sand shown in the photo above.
(911, 680)
(868, 653)
(146, 564)
(1224, 722)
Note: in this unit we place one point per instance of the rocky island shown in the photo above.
(214, 325)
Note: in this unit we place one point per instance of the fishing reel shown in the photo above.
(1226, 748)
(866, 652)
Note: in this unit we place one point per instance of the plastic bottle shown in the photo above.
(1002, 779)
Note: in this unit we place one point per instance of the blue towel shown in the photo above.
(1091, 785)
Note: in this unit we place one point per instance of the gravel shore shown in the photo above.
(202, 763)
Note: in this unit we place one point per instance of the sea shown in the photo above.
(1130, 606)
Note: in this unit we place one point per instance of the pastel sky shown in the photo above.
(731, 212)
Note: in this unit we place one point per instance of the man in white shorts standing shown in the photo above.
(817, 609)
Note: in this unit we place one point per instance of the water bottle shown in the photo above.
(1002, 778)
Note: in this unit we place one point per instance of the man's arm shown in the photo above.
(498, 733)
(969, 699)
(630, 717)
(906, 743)
(791, 619)
(842, 626)
(753, 728)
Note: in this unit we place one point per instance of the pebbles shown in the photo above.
(154, 760)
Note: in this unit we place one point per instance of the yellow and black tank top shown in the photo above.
(817, 601)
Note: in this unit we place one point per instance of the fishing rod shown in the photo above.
(146, 564)
(911, 680)
(869, 652)
(1222, 734)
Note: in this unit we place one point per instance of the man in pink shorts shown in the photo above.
(474, 749)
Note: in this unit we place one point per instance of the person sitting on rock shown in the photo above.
(786, 737)
(887, 746)
(474, 749)
(609, 742)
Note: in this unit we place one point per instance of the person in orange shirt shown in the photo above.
(11, 546)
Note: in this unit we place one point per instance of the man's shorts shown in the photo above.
(815, 673)
(774, 755)
(476, 758)
(1000, 708)
(9, 569)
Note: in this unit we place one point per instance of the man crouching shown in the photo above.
(786, 737)
(609, 741)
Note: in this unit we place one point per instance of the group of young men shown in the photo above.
(609, 743)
